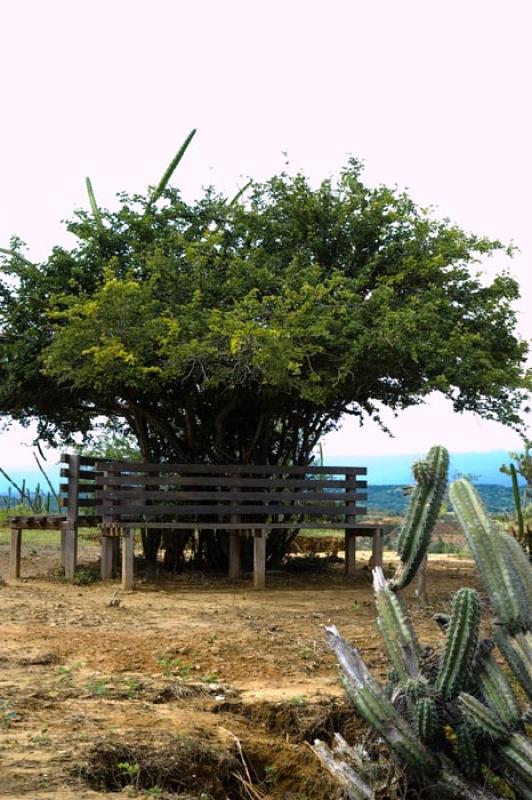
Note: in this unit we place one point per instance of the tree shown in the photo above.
(242, 331)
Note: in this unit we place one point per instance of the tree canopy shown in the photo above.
(243, 330)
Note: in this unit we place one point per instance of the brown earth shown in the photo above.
(192, 684)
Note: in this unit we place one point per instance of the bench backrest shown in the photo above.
(78, 493)
(230, 496)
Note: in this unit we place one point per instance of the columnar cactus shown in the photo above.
(452, 724)
(423, 509)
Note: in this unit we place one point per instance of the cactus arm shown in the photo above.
(423, 510)
(426, 718)
(517, 756)
(94, 205)
(368, 697)
(396, 629)
(517, 503)
(161, 186)
(496, 690)
(504, 592)
(517, 650)
(482, 718)
(466, 751)
(460, 643)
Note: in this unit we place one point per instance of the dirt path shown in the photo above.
(207, 660)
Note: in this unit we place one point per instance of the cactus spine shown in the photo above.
(460, 643)
(423, 510)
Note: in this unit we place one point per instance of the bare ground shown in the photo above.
(184, 673)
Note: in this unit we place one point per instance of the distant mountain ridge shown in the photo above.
(387, 470)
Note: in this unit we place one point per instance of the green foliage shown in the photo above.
(453, 719)
(244, 331)
(423, 509)
(172, 317)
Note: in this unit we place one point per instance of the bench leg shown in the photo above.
(128, 559)
(234, 555)
(376, 551)
(70, 551)
(14, 560)
(116, 557)
(107, 557)
(259, 560)
(63, 548)
(350, 552)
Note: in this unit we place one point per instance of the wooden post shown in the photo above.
(234, 555)
(377, 547)
(107, 557)
(234, 543)
(259, 559)
(14, 561)
(115, 560)
(128, 558)
(350, 538)
(69, 537)
(350, 552)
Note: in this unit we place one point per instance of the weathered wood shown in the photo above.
(14, 559)
(377, 547)
(228, 526)
(107, 557)
(234, 555)
(220, 510)
(137, 482)
(350, 539)
(128, 560)
(224, 496)
(243, 469)
(70, 552)
(350, 552)
(259, 560)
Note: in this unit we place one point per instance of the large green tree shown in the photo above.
(242, 331)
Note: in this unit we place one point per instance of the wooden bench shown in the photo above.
(77, 499)
(234, 499)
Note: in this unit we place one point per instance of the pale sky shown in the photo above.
(433, 96)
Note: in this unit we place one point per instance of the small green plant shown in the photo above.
(174, 666)
(305, 653)
(270, 773)
(298, 700)
(131, 771)
(7, 714)
(98, 687)
(133, 688)
(40, 740)
(86, 576)
(211, 677)
(155, 793)
(66, 673)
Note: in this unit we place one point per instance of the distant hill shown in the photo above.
(390, 499)
(391, 470)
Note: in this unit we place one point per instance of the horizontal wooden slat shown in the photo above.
(234, 526)
(228, 496)
(88, 461)
(212, 469)
(83, 502)
(184, 510)
(84, 474)
(172, 480)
